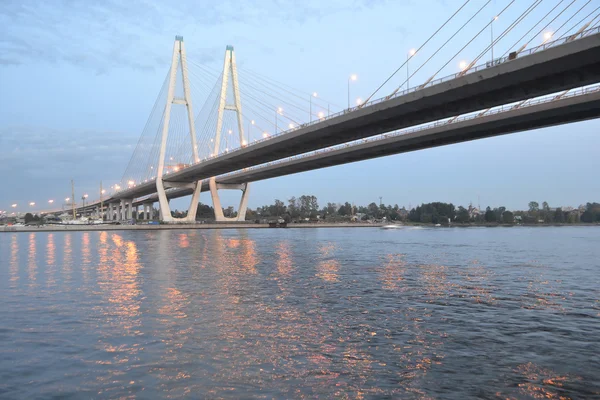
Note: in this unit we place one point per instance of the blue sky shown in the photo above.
(78, 80)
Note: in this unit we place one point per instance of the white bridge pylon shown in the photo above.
(229, 68)
(178, 60)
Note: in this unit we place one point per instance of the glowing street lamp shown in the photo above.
(279, 112)
(547, 36)
(358, 101)
(411, 53)
(130, 183)
(265, 135)
(32, 203)
(462, 65)
(352, 77)
(314, 94)
(50, 201)
(321, 115)
(14, 205)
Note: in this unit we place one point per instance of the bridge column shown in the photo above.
(122, 208)
(178, 62)
(147, 211)
(229, 69)
(129, 209)
(214, 187)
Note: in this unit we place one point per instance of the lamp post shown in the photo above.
(352, 77)
(310, 111)
(411, 53)
(279, 112)
(492, 35)
(547, 36)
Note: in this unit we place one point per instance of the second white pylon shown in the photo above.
(229, 69)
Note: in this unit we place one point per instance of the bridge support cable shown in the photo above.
(229, 70)
(306, 103)
(178, 60)
(434, 54)
(524, 46)
(583, 27)
(418, 49)
(547, 25)
(145, 143)
(501, 36)
(467, 44)
(570, 18)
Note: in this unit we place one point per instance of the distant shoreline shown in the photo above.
(146, 227)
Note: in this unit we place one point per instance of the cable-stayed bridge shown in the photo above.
(185, 149)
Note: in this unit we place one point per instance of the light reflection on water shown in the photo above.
(358, 313)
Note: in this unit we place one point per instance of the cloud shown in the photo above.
(52, 154)
(113, 33)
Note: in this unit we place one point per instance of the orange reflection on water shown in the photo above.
(248, 257)
(284, 260)
(542, 383)
(393, 272)
(50, 250)
(103, 249)
(32, 262)
(174, 305)
(328, 269)
(183, 241)
(14, 259)
(50, 260)
(67, 259)
(122, 281)
(85, 254)
(85, 247)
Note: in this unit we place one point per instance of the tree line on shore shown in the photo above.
(306, 208)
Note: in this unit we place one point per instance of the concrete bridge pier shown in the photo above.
(148, 211)
(214, 187)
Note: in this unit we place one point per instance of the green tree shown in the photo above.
(462, 215)
(28, 218)
(559, 216)
(508, 217)
(293, 208)
(534, 207)
(373, 210)
(490, 215)
(279, 207)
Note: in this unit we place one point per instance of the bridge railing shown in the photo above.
(453, 120)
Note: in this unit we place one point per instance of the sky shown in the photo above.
(78, 80)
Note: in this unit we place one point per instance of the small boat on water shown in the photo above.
(392, 226)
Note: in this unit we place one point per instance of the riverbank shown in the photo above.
(146, 227)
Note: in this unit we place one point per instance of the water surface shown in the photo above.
(294, 313)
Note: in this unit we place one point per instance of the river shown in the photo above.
(414, 313)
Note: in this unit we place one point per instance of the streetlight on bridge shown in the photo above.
(410, 54)
(352, 77)
(310, 100)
